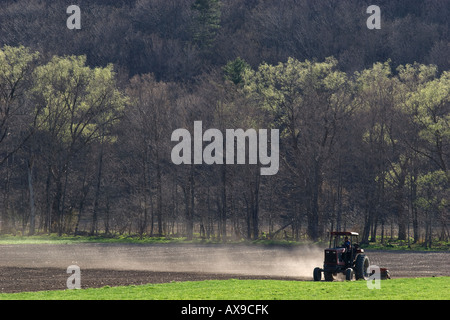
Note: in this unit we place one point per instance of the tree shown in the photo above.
(234, 70)
(411, 78)
(429, 108)
(149, 118)
(77, 106)
(310, 103)
(206, 22)
(16, 66)
(17, 119)
(434, 192)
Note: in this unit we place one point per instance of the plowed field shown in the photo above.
(44, 267)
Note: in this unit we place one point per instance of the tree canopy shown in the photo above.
(86, 118)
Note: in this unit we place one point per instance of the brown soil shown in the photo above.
(36, 279)
(44, 267)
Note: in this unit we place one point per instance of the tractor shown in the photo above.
(343, 256)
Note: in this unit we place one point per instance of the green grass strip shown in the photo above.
(395, 289)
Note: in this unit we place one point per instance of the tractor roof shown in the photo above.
(343, 233)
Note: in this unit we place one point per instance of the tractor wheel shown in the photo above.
(349, 274)
(361, 266)
(328, 276)
(317, 274)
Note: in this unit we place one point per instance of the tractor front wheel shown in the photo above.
(349, 274)
(317, 274)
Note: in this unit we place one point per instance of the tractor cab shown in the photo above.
(345, 246)
(337, 239)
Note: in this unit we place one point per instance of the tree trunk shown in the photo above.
(401, 216)
(48, 218)
(313, 216)
(190, 212)
(84, 192)
(247, 218)
(224, 205)
(56, 206)
(415, 220)
(63, 202)
(97, 192)
(5, 212)
(159, 196)
(255, 207)
(31, 195)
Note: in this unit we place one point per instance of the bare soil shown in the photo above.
(44, 267)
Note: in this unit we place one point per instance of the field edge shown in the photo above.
(432, 288)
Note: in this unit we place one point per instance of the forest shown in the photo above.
(363, 115)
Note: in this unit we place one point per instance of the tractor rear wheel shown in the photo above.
(361, 266)
(328, 276)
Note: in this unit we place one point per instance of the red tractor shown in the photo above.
(344, 256)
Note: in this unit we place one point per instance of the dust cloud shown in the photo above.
(295, 261)
(246, 260)
(238, 259)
